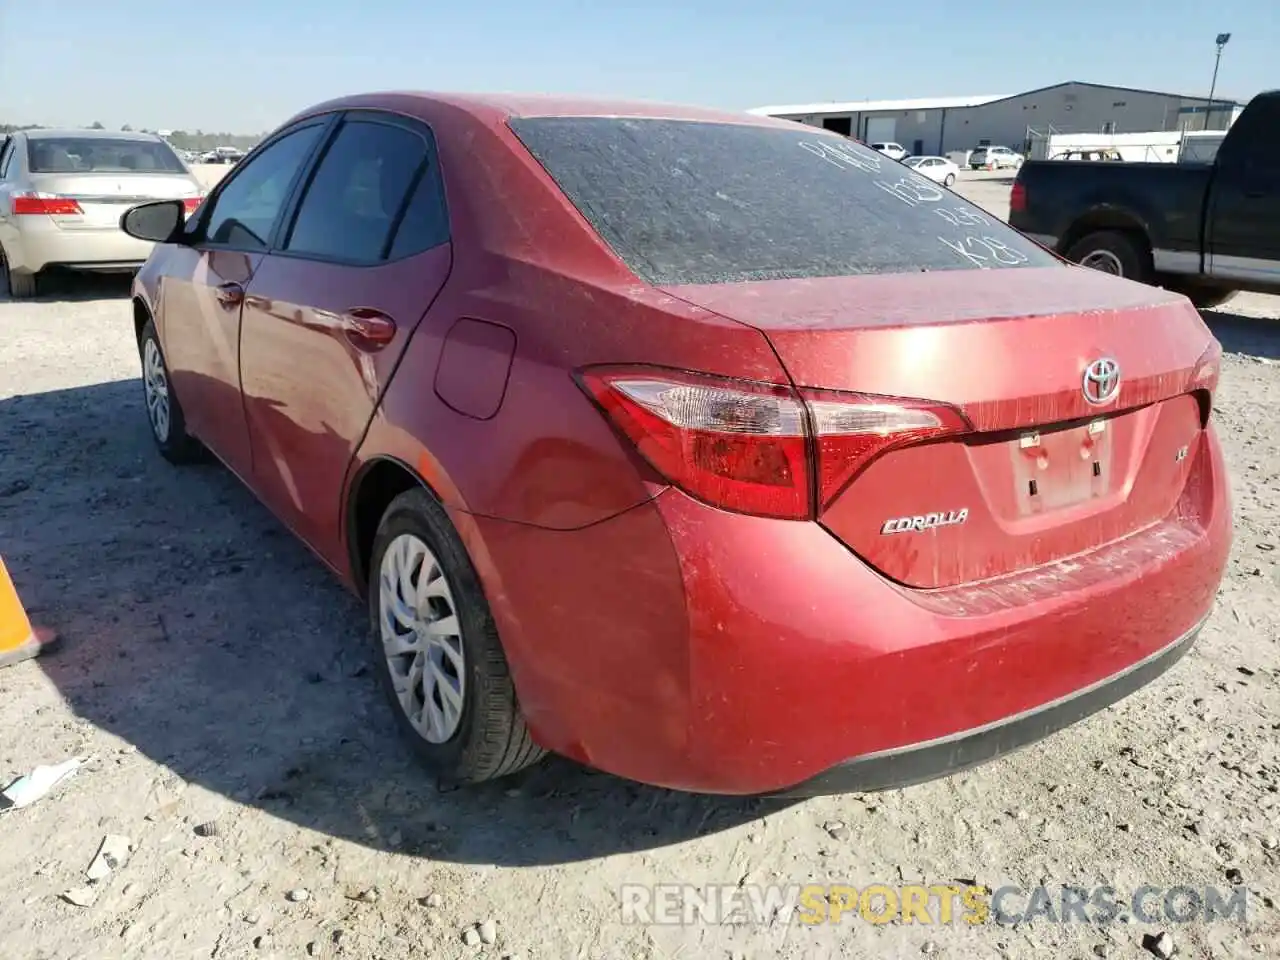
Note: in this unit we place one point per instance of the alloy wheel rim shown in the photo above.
(1105, 261)
(155, 384)
(421, 638)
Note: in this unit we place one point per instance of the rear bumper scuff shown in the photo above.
(918, 763)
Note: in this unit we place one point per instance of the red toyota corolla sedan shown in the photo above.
(718, 452)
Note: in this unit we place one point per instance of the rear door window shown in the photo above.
(100, 155)
(696, 202)
(353, 205)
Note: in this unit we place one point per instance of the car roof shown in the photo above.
(500, 107)
(71, 133)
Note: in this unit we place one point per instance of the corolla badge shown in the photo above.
(925, 521)
(1101, 381)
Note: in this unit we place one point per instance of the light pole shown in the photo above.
(1221, 41)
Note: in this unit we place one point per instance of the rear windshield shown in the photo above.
(696, 202)
(100, 155)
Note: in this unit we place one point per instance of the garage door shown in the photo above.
(879, 129)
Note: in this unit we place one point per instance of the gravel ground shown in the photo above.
(214, 673)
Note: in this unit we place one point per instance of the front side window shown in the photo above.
(360, 186)
(699, 202)
(245, 210)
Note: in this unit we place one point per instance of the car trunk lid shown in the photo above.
(102, 198)
(1044, 474)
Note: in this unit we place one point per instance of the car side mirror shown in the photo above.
(159, 221)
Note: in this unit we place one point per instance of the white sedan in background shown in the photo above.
(938, 169)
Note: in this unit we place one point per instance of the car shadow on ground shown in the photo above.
(65, 286)
(197, 629)
(1255, 336)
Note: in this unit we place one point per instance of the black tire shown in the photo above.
(174, 443)
(491, 739)
(1206, 297)
(1113, 252)
(19, 286)
(949, 180)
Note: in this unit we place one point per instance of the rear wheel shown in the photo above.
(164, 412)
(439, 657)
(1204, 296)
(949, 180)
(20, 286)
(1111, 251)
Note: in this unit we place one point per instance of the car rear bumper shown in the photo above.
(684, 646)
(36, 243)
(920, 762)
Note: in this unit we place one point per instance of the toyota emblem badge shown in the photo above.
(1101, 381)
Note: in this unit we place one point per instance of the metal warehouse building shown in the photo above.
(954, 124)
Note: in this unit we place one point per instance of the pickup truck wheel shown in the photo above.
(1204, 297)
(1112, 252)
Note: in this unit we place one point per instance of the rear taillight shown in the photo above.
(1204, 379)
(1018, 197)
(851, 429)
(1208, 368)
(738, 445)
(758, 448)
(50, 205)
(191, 204)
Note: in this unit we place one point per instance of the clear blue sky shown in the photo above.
(245, 65)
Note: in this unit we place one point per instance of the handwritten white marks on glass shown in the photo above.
(841, 155)
(981, 250)
(912, 190)
(960, 217)
(986, 252)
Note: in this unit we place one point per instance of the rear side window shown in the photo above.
(697, 202)
(352, 207)
(425, 223)
(1253, 141)
(100, 155)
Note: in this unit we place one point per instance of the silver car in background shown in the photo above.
(994, 158)
(62, 193)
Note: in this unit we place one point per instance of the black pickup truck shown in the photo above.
(1206, 230)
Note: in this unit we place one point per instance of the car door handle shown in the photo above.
(229, 294)
(368, 329)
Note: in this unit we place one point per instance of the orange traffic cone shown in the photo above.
(18, 641)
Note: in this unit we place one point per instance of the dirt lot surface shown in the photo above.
(216, 675)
